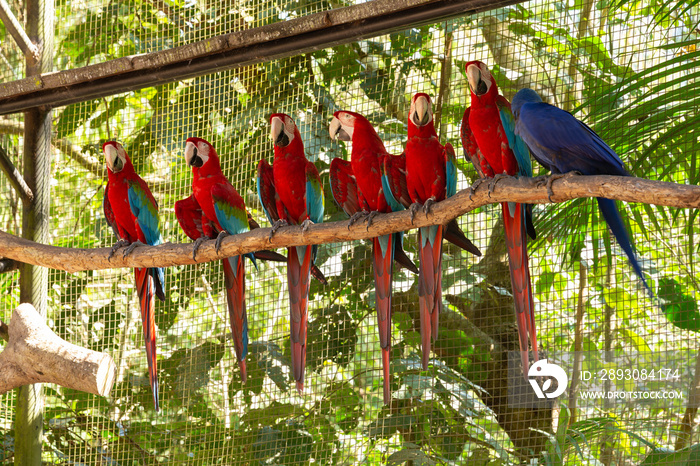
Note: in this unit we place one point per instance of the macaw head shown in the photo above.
(116, 157)
(342, 125)
(201, 155)
(479, 78)
(351, 126)
(421, 113)
(283, 130)
(523, 96)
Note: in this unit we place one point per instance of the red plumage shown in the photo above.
(426, 180)
(198, 218)
(485, 140)
(283, 190)
(121, 176)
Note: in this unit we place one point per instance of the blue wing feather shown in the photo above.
(450, 171)
(515, 142)
(314, 194)
(389, 196)
(146, 213)
(232, 219)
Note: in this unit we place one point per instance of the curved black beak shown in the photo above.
(196, 160)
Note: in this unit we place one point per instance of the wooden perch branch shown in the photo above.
(35, 354)
(526, 190)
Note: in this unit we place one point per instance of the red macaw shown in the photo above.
(431, 176)
(214, 210)
(488, 138)
(290, 192)
(357, 188)
(132, 212)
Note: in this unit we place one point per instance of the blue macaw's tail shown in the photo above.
(298, 277)
(234, 279)
(516, 242)
(146, 289)
(612, 217)
(429, 286)
(383, 258)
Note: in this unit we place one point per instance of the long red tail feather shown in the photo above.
(429, 289)
(298, 278)
(516, 242)
(145, 288)
(234, 276)
(383, 264)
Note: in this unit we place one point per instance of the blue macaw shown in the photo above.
(563, 144)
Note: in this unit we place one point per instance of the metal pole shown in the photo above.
(14, 27)
(35, 224)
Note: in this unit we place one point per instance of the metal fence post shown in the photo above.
(35, 223)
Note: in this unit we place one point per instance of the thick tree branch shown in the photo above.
(34, 354)
(526, 190)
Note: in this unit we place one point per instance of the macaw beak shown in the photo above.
(277, 133)
(421, 116)
(337, 131)
(114, 163)
(191, 156)
(476, 84)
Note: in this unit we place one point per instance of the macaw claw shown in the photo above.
(414, 209)
(428, 205)
(357, 216)
(306, 224)
(197, 243)
(276, 226)
(370, 218)
(119, 244)
(555, 176)
(222, 234)
(495, 180)
(475, 186)
(131, 248)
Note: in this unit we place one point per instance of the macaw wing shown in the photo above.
(448, 153)
(144, 207)
(229, 213)
(314, 194)
(109, 213)
(551, 131)
(266, 191)
(471, 148)
(189, 216)
(522, 154)
(344, 186)
(394, 181)
(515, 142)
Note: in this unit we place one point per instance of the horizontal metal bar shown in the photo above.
(278, 40)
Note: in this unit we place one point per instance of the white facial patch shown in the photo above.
(421, 112)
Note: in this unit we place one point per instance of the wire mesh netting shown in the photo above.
(628, 70)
